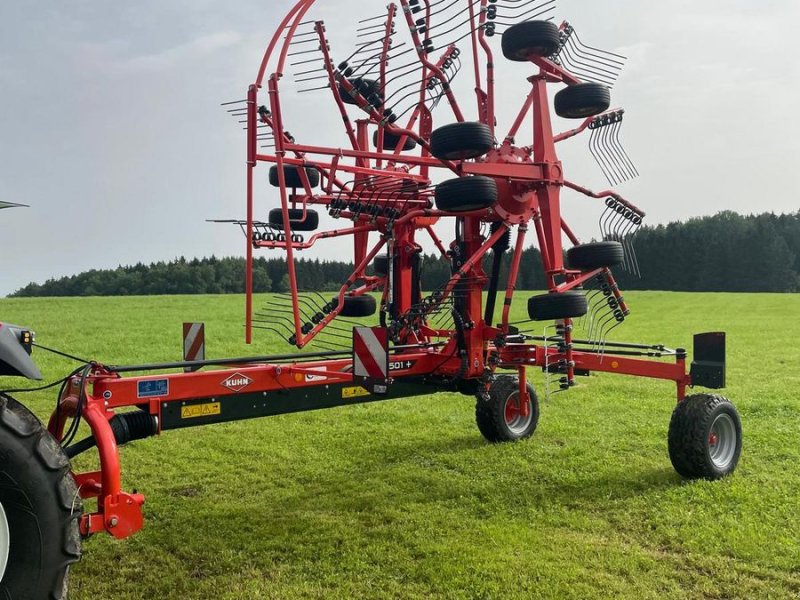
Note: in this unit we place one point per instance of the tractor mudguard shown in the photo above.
(15, 360)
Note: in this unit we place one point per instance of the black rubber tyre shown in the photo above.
(550, 307)
(582, 100)
(595, 255)
(41, 505)
(461, 141)
(292, 176)
(530, 38)
(310, 223)
(466, 193)
(499, 418)
(358, 306)
(366, 87)
(381, 265)
(390, 141)
(705, 437)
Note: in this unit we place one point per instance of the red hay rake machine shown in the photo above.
(420, 151)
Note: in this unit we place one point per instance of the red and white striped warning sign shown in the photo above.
(194, 343)
(371, 353)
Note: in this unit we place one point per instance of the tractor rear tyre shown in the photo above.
(39, 508)
(595, 255)
(358, 306)
(500, 418)
(390, 141)
(465, 194)
(551, 307)
(525, 40)
(582, 100)
(291, 174)
(705, 437)
(296, 220)
(461, 141)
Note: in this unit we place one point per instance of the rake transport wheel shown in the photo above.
(466, 194)
(705, 437)
(296, 219)
(461, 141)
(549, 307)
(501, 417)
(582, 100)
(39, 508)
(391, 141)
(381, 265)
(530, 38)
(358, 306)
(292, 176)
(596, 255)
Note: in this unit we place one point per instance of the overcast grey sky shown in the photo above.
(111, 127)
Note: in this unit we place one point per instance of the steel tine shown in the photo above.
(615, 223)
(602, 146)
(593, 149)
(614, 150)
(570, 56)
(510, 5)
(606, 218)
(595, 312)
(613, 140)
(629, 233)
(603, 159)
(627, 264)
(637, 226)
(602, 334)
(314, 89)
(619, 175)
(600, 60)
(370, 28)
(624, 158)
(621, 60)
(368, 19)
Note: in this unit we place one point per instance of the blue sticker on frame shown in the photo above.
(152, 388)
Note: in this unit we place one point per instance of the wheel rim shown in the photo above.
(515, 421)
(722, 441)
(5, 542)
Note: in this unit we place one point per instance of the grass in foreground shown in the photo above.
(405, 500)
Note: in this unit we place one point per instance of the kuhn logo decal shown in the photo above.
(237, 382)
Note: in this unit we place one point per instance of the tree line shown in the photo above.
(726, 252)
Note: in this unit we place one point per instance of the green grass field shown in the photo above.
(404, 499)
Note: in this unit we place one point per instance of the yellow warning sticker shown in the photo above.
(201, 410)
(354, 392)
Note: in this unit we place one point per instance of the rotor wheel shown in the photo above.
(582, 100)
(297, 221)
(461, 141)
(466, 194)
(39, 508)
(502, 417)
(391, 141)
(530, 38)
(291, 175)
(705, 437)
(551, 307)
(381, 265)
(595, 255)
(357, 306)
